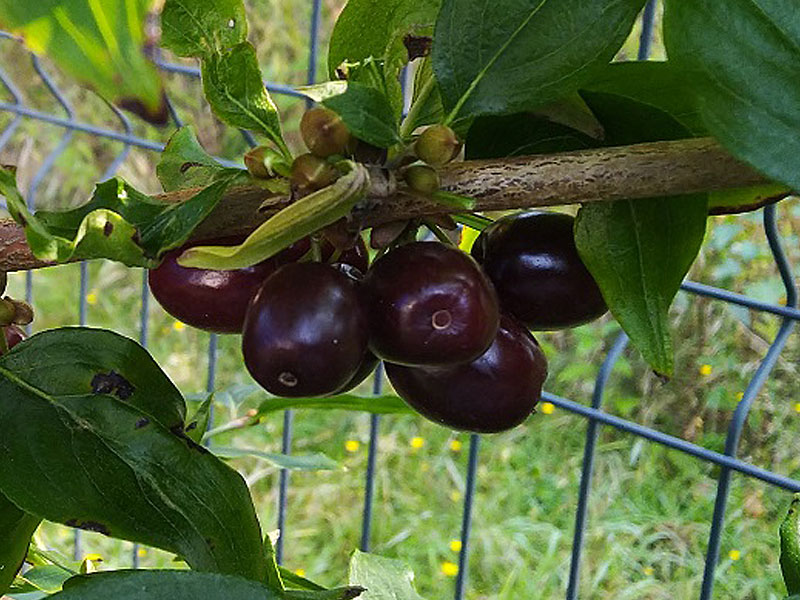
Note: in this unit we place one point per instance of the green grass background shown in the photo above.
(650, 507)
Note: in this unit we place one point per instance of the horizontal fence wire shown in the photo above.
(728, 462)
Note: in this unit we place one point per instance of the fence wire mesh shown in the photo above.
(596, 417)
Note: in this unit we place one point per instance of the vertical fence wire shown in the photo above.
(743, 408)
(372, 457)
(588, 465)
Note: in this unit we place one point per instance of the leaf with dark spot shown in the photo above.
(88, 526)
(143, 422)
(417, 45)
(108, 228)
(112, 383)
(76, 457)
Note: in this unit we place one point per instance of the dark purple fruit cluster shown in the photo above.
(452, 328)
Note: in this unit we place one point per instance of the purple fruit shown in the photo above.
(495, 392)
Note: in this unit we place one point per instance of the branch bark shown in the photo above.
(657, 169)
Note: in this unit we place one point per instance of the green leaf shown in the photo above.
(365, 110)
(233, 87)
(384, 578)
(185, 164)
(639, 251)
(164, 585)
(343, 593)
(379, 405)
(426, 100)
(789, 533)
(202, 27)
(312, 462)
(370, 27)
(88, 454)
(293, 580)
(118, 223)
(662, 85)
(744, 56)
(514, 55)
(197, 424)
(724, 202)
(520, 135)
(296, 221)
(16, 530)
(63, 361)
(47, 578)
(102, 44)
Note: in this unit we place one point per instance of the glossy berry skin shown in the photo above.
(429, 304)
(495, 392)
(539, 277)
(368, 365)
(214, 301)
(14, 335)
(306, 331)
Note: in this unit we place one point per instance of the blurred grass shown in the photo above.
(651, 507)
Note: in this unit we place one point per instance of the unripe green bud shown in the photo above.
(23, 313)
(310, 173)
(324, 132)
(264, 163)
(7, 312)
(422, 179)
(437, 145)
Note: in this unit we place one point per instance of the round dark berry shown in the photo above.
(494, 392)
(532, 260)
(306, 331)
(211, 300)
(429, 304)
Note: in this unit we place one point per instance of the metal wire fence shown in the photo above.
(593, 413)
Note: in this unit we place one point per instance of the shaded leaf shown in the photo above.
(88, 458)
(197, 424)
(381, 405)
(164, 585)
(384, 578)
(662, 85)
(201, 27)
(185, 164)
(233, 87)
(16, 529)
(639, 251)
(311, 462)
(48, 578)
(101, 44)
(365, 110)
(515, 55)
(744, 57)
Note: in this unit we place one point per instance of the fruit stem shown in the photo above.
(454, 200)
(473, 220)
(316, 249)
(437, 231)
(406, 129)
